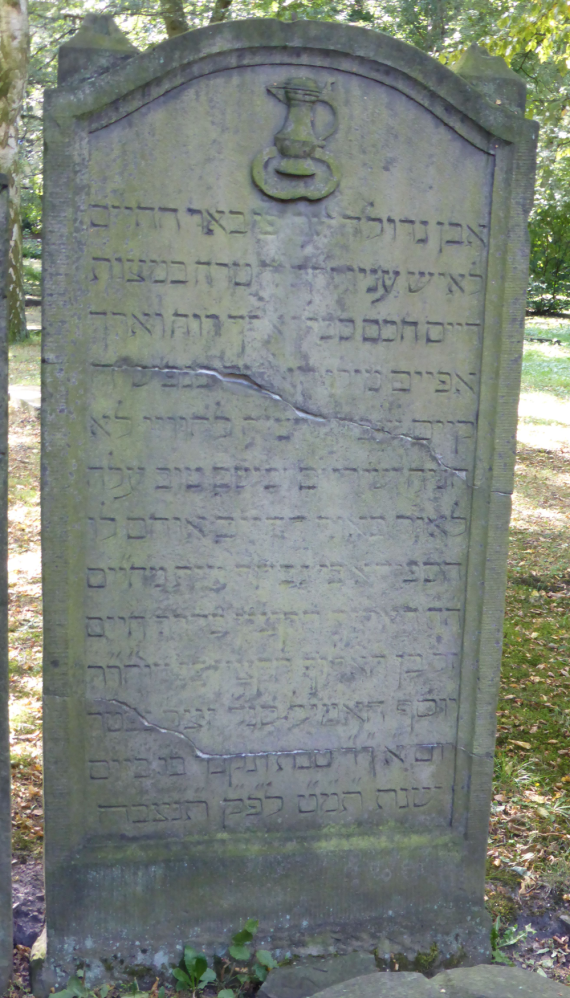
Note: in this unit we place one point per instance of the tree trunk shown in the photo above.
(173, 16)
(220, 10)
(14, 56)
(17, 329)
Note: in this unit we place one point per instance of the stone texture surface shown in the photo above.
(492, 77)
(496, 982)
(95, 48)
(468, 982)
(316, 974)
(384, 985)
(5, 813)
(285, 268)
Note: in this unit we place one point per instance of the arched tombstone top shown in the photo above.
(285, 268)
(257, 41)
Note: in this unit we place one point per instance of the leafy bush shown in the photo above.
(32, 249)
(549, 285)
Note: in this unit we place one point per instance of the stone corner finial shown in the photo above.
(98, 45)
(492, 77)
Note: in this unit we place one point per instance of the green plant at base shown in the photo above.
(244, 965)
(511, 936)
(77, 988)
(193, 972)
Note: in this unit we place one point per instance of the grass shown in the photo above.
(24, 362)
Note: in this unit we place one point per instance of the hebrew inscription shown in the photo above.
(279, 460)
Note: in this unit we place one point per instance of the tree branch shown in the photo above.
(174, 18)
(220, 10)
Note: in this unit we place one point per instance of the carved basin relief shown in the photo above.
(297, 165)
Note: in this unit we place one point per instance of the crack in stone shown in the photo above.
(244, 755)
(247, 382)
(200, 754)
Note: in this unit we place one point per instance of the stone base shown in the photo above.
(313, 899)
(121, 965)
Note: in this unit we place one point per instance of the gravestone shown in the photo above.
(6, 930)
(285, 268)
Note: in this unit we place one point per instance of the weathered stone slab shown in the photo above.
(315, 974)
(384, 985)
(497, 982)
(285, 268)
(5, 811)
(466, 982)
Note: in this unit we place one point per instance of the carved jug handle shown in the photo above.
(321, 139)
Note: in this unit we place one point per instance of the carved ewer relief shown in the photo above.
(298, 166)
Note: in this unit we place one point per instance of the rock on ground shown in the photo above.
(467, 982)
(315, 974)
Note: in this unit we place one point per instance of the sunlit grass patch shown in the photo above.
(25, 623)
(24, 363)
(546, 366)
(544, 421)
(542, 325)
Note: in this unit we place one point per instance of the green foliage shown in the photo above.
(258, 964)
(31, 205)
(32, 249)
(511, 936)
(243, 966)
(193, 972)
(549, 289)
(77, 988)
(239, 948)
